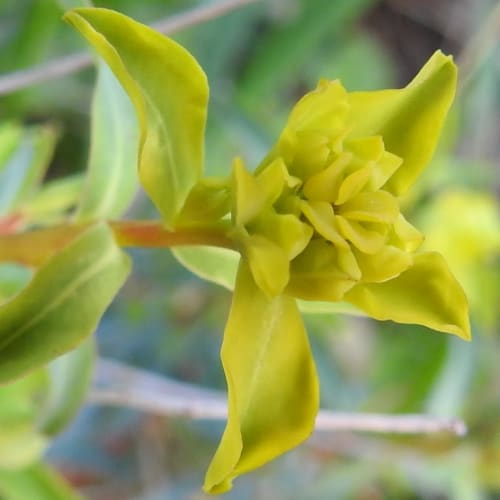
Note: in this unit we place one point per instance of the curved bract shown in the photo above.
(169, 92)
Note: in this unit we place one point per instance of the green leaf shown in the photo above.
(215, 264)
(112, 171)
(36, 482)
(52, 202)
(169, 92)
(10, 137)
(25, 166)
(21, 442)
(452, 388)
(63, 303)
(426, 294)
(409, 119)
(272, 383)
(12, 279)
(69, 379)
(33, 37)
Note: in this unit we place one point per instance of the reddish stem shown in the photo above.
(33, 248)
(10, 223)
(152, 235)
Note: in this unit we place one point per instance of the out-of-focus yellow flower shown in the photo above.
(464, 226)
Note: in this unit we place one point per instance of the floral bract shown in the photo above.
(318, 220)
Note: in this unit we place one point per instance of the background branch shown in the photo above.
(479, 47)
(21, 79)
(119, 385)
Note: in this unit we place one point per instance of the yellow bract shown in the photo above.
(272, 383)
(315, 219)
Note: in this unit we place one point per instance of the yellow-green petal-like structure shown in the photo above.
(272, 383)
(410, 120)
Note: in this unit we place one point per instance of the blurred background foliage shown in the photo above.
(259, 60)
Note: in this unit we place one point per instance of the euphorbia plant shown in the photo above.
(317, 220)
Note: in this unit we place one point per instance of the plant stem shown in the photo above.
(117, 384)
(18, 247)
(10, 223)
(152, 235)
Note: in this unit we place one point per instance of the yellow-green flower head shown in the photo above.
(319, 215)
(320, 219)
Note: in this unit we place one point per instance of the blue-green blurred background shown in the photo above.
(259, 60)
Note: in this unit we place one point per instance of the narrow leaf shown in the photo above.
(50, 205)
(20, 444)
(12, 279)
(272, 383)
(69, 380)
(63, 303)
(21, 441)
(112, 171)
(34, 482)
(169, 92)
(25, 166)
(10, 136)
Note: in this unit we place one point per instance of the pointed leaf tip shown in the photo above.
(169, 91)
(272, 383)
(410, 119)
